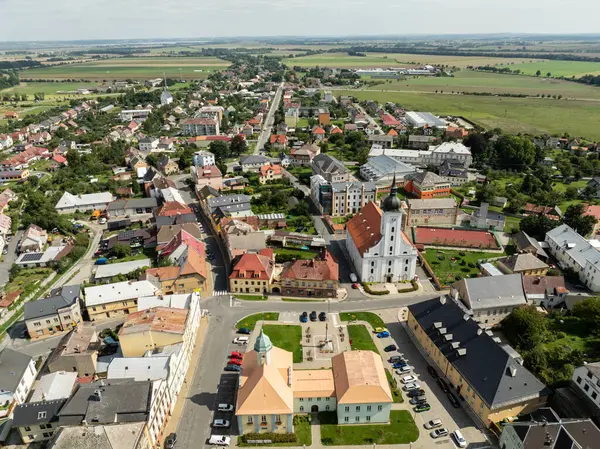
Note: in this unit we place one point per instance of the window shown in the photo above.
(318, 399)
(41, 415)
(368, 418)
(249, 419)
(309, 399)
(346, 409)
(346, 419)
(27, 429)
(594, 395)
(277, 418)
(301, 399)
(379, 408)
(48, 322)
(357, 418)
(579, 379)
(589, 374)
(368, 408)
(301, 408)
(586, 387)
(393, 228)
(326, 407)
(358, 408)
(263, 419)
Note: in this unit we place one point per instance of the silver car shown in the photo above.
(438, 433)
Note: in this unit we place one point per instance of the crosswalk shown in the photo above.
(220, 293)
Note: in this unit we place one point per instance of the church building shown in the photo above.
(379, 250)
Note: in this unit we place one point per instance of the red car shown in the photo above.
(236, 355)
(235, 362)
(355, 285)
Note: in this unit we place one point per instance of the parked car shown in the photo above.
(433, 423)
(403, 370)
(221, 423)
(380, 329)
(411, 386)
(433, 372)
(422, 408)
(353, 277)
(241, 340)
(232, 367)
(395, 358)
(224, 407)
(355, 285)
(383, 334)
(414, 393)
(244, 330)
(313, 315)
(170, 441)
(418, 400)
(438, 433)
(5, 251)
(304, 317)
(219, 440)
(443, 385)
(453, 400)
(322, 316)
(390, 348)
(458, 437)
(234, 361)
(236, 355)
(408, 379)
(400, 363)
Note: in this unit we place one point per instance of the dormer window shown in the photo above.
(41, 415)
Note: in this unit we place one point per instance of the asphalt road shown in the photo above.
(268, 124)
(9, 259)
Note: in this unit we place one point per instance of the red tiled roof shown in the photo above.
(318, 130)
(264, 169)
(392, 132)
(171, 208)
(365, 227)
(389, 120)
(210, 171)
(538, 285)
(183, 238)
(336, 130)
(592, 210)
(278, 138)
(313, 270)
(60, 159)
(253, 266)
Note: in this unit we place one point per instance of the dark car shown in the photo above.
(170, 441)
(453, 400)
(418, 400)
(303, 317)
(390, 348)
(244, 330)
(394, 359)
(443, 385)
(433, 372)
(422, 407)
(415, 393)
(322, 316)
(234, 368)
(313, 315)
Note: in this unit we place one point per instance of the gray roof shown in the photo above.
(329, 164)
(111, 436)
(493, 291)
(524, 242)
(574, 245)
(134, 203)
(59, 299)
(485, 366)
(353, 186)
(122, 400)
(13, 365)
(36, 413)
(426, 178)
(113, 269)
(557, 433)
(523, 262)
(229, 203)
(254, 159)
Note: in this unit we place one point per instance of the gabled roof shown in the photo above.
(313, 270)
(13, 365)
(173, 208)
(359, 378)
(253, 266)
(492, 291)
(36, 413)
(64, 297)
(365, 227)
(540, 285)
(426, 178)
(523, 262)
(329, 164)
(156, 319)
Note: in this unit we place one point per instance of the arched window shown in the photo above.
(301, 408)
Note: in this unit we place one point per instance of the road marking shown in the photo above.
(220, 293)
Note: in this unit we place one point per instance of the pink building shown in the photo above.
(207, 176)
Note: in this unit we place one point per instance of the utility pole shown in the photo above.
(327, 322)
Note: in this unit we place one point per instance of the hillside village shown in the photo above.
(450, 272)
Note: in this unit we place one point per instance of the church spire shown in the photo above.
(392, 203)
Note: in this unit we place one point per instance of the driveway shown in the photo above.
(9, 259)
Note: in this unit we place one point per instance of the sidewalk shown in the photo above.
(173, 420)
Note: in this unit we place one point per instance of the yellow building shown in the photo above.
(253, 273)
(526, 264)
(103, 302)
(150, 329)
(489, 381)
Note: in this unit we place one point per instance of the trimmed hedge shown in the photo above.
(367, 288)
(413, 288)
(274, 437)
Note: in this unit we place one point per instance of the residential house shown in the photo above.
(269, 172)
(5, 225)
(494, 385)
(188, 276)
(253, 162)
(454, 172)
(278, 141)
(173, 212)
(526, 244)
(426, 185)
(594, 211)
(6, 141)
(148, 144)
(34, 239)
(201, 127)
(37, 421)
(203, 158)
(45, 258)
(13, 176)
(318, 133)
(22, 160)
(553, 213)
(229, 206)
(114, 300)
(340, 198)
(431, 212)
(76, 352)
(17, 375)
(69, 203)
(304, 155)
(132, 207)
(168, 166)
(420, 142)
(208, 175)
(166, 234)
(483, 218)
(241, 237)
(489, 299)
(546, 291)
(59, 312)
(585, 382)
(330, 168)
(105, 273)
(312, 278)
(381, 139)
(379, 250)
(574, 252)
(131, 435)
(53, 386)
(526, 264)
(253, 273)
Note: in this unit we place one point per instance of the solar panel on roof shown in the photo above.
(32, 257)
(126, 235)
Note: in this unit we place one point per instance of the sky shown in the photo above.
(27, 20)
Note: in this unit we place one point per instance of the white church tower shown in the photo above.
(166, 97)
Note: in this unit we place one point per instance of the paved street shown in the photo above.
(369, 118)
(9, 259)
(268, 123)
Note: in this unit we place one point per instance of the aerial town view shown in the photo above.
(301, 224)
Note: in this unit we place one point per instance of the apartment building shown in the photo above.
(431, 212)
(201, 127)
(339, 199)
(17, 375)
(76, 352)
(330, 168)
(312, 278)
(57, 313)
(253, 273)
(103, 302)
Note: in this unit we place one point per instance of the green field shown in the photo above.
(560, 68)
(361, 338)
(372, 318)
(470, 81)
(131, 68)
(512, 115)
(457, 61)
(286, 337)
(342, 60)
(250, 321)
(447, 269)
(49, 89)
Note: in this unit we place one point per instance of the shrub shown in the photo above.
(471, 265)
(458, 277)
(367, 288)
(465, 269)
(463, 263)
(441, 257)
(461, 253)
(274, 437)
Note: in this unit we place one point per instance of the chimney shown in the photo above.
(442, 300)
(479, 331)
(513, 370)
(98, 395)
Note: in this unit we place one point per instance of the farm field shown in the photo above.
(342, 60)
(560, 68)
(49, 89)
(470, 81)
(513, 115)
(458, 61)
(133, 68)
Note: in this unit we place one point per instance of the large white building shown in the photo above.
(435, 155)
(381, 170)
(17, 375)
(586, 380)
(379, 250)
(574, 252)
(203, 158)
(70, 203)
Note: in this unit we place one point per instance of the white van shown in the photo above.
(241, 340)
(458, 437)
(219, 440)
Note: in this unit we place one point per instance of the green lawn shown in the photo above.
(27, 280)
(250, 297)
(401, 430)
(394, 387)
(513, 115)
(342, 60)
(288, 337)
(511, 223)
(301, 429)
(372, 318)
(447, 269)
(250, 321)
(361, 338)
(560, 68)
(297, 253)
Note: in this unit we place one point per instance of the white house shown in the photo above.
(17, 375)
(70, 203)
(148, 143)
(203, 158)
(586, 380)
(379, 250)
(574, 252)
(166, 97)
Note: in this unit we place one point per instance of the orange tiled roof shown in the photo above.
(314, 270)
(318, 130)
(264, 169)
(171, 208)
(253, 266)
(365, 227)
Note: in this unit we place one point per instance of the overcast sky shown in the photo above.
(117, 19)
